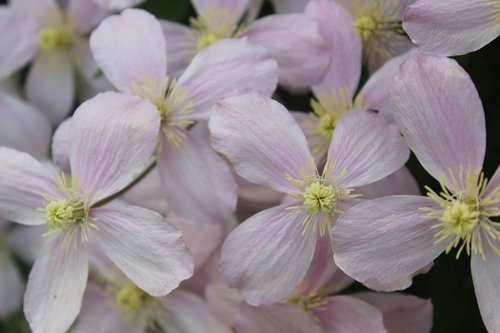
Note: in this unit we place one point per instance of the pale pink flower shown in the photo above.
(384, 240)
(118, 4)
(452, 27)
(292, 39)
(205, 191)
(111, 143)
(53, 38)
(268, 255)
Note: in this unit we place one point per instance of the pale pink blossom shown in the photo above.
(52, 37)
(452, 27)
(292, 39)
(267, 255)
(205, 188)
(111, 143)
(384, 240)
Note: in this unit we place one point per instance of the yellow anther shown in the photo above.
(60, 214)
(366, 26)
(206, 38)
(319, 198)
(460, 217)
(130, 299)
(51, 38)
(327, 123)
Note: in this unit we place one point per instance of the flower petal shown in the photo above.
(260, 138)
(385, 240)
(180, 48)
(486, 278)
(400, 182)
(267, 256)
(275, 318)
(50, 84)
(147, 248)
(235, 8)
(337, 28)
(438, 110)
(289, 6)
(113, 138)
(38, 9)
(19, 38)
(85, 14)
(346, 314)
(452, 27)
(23, 127)
(123, 65)
(295, 42)
(55, 287)
(206, 189)
(11, 286)
(365, 148)
(23, 183)
(223, 67)
(119, 5)
(60, 146)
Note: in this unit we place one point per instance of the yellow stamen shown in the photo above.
(308, 303)
(52, 38)
(319, 198)
(366, 25)
(130, 299)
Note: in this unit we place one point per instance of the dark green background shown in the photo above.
(449, 283)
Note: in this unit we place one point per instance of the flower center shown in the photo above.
(214, 25)
(366, 25)
(307, 302)
(55, 38)
(61, 214)
(461, 217)
(327, 123)
(130, 299)
(319, 198)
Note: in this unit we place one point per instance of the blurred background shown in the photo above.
(449, 283)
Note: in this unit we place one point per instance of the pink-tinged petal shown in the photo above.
(113, 138)
(19, 38)
(60, 146)
(486, 278)
(260, 138)
(147, 248)
(337, 28)
(90, 80)
(402, 313)
(189, 313)
(206, 8)
(385, 240)
(125, 66)
(452, 27)
(149, 193)
(224, 67)
(180, 46)
(346, 314)
(399, 183)
(206, 191)
(11, 286)
(275, 318)
(375, 94)
(438, 110)
(23, 127)
(493, 184)
(26, 241)
(224, 302)
(50, 84)
(267, 256)
(85, 14)
(119, 4)
(295, 42)
(37, 9)
(323, 275)
(365, 148)
(55, 287)
(97, 316)
(201, 240)
(289, 6)
(23, 183)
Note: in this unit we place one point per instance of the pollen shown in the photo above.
(61, 214)
(366, 25)
(205, 40)
(53, 38)
(319, 198)
(460, 218)
(130, 299)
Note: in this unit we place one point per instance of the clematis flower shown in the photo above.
(186, 160)
(53, 37)
(440, 114)
(111, 141)
(378, 24)
(293, 40)
(452, 27)
(268, 254)
(118, 4)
